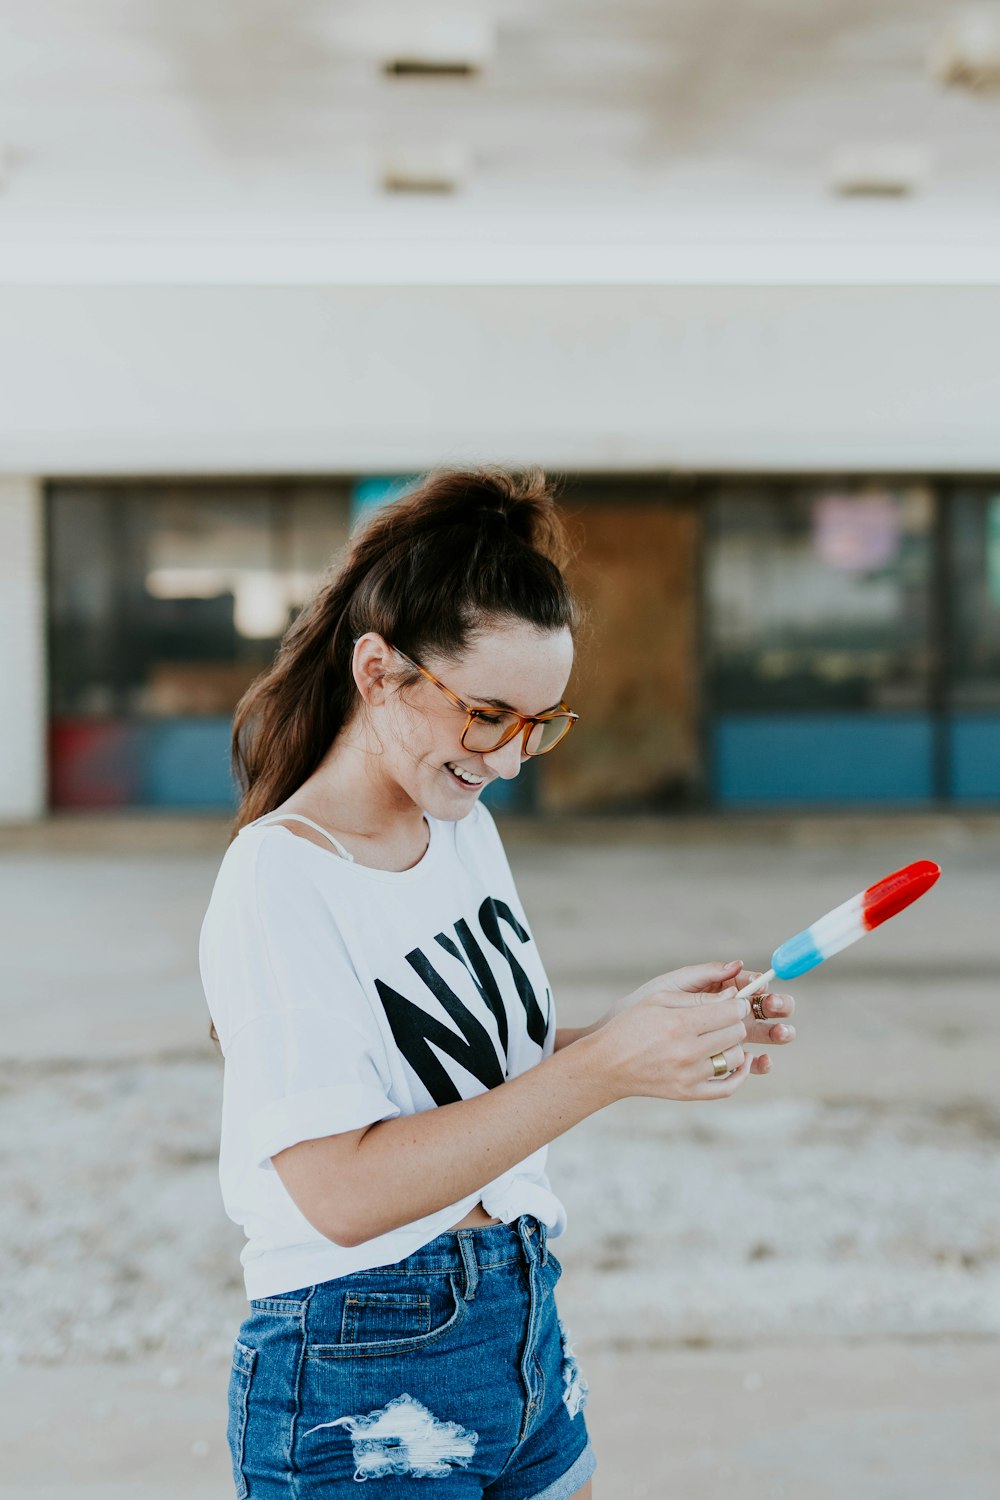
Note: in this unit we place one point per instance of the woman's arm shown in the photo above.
(363, 1183)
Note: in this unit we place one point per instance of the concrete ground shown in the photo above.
(793, 1294)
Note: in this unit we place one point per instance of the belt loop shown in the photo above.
(527, 1224)
(469, 1263)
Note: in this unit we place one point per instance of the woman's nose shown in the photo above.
(506, 761)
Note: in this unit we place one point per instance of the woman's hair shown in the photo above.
(461, 549)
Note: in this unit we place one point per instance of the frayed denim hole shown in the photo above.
(403, 1437)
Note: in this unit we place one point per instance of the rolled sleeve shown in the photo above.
(300, 1074)
(310, 1115)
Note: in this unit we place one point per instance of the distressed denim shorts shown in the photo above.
(451, 1365)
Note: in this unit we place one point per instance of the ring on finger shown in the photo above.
(720, 1067)
(757, 1006)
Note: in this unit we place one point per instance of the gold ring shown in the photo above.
(718, 1061)
(757, 1006)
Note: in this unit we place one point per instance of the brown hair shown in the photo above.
(462, 547)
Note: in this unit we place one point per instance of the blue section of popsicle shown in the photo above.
(797, 956)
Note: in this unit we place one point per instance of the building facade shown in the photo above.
(784, 496)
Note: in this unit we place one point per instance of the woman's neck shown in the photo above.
(350, 794)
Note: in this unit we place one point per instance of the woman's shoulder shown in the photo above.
(271, 897)
(262, 858)
(251, 842)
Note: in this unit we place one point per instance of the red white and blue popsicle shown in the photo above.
(845, 924)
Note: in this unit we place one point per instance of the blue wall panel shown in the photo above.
(822, 758)
(975, 757)
(186, 764)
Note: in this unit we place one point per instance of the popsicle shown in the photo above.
(845, 924)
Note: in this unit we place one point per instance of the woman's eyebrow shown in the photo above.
(499, 703)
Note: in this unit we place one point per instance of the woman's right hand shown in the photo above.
(661, 1047)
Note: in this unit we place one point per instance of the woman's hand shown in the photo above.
(667, 1045)
(711, 979)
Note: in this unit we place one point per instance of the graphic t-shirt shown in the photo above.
(343, 995)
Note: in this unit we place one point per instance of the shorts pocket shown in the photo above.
(244, 1359)
(384, 1317)
(380, 1320)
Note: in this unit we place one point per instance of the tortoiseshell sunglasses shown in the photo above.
(487, 729)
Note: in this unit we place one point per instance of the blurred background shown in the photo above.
(729, 270)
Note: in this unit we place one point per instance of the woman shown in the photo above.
(394, 1072)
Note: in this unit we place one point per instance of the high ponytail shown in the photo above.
(462, 547)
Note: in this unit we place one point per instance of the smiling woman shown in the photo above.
(427, 575)
(394, 1070)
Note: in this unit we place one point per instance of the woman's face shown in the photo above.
(508, 664)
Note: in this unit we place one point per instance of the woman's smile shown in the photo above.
(469, 780)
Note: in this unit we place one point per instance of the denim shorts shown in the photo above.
(452, 1364)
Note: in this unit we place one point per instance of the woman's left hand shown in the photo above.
(712, 979)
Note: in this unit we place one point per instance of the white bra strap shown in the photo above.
(301, 818)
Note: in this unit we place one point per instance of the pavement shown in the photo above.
(794, 1294)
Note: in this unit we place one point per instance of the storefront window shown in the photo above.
(166, 600)
(818, 595)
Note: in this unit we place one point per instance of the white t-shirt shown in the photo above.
(343, 995)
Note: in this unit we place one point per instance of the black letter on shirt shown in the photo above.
(480, 973)
(413, 1030)
(489, 918)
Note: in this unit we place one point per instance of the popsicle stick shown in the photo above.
(754, 986)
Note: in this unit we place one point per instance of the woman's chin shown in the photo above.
(453, 798)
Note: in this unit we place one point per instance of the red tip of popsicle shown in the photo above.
(887, 897)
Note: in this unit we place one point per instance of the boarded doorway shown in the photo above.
(635, 682)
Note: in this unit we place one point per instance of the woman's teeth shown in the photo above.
(466, 777)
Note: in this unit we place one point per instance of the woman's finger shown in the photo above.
(766, 1022)
(760, 1032)
(726, 1036)
(721, 1088)
(774, 1006)
(719, 1012)
(745, 977)
(734, 1058)
(706, 978)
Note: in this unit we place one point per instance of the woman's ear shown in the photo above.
(370, 665)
